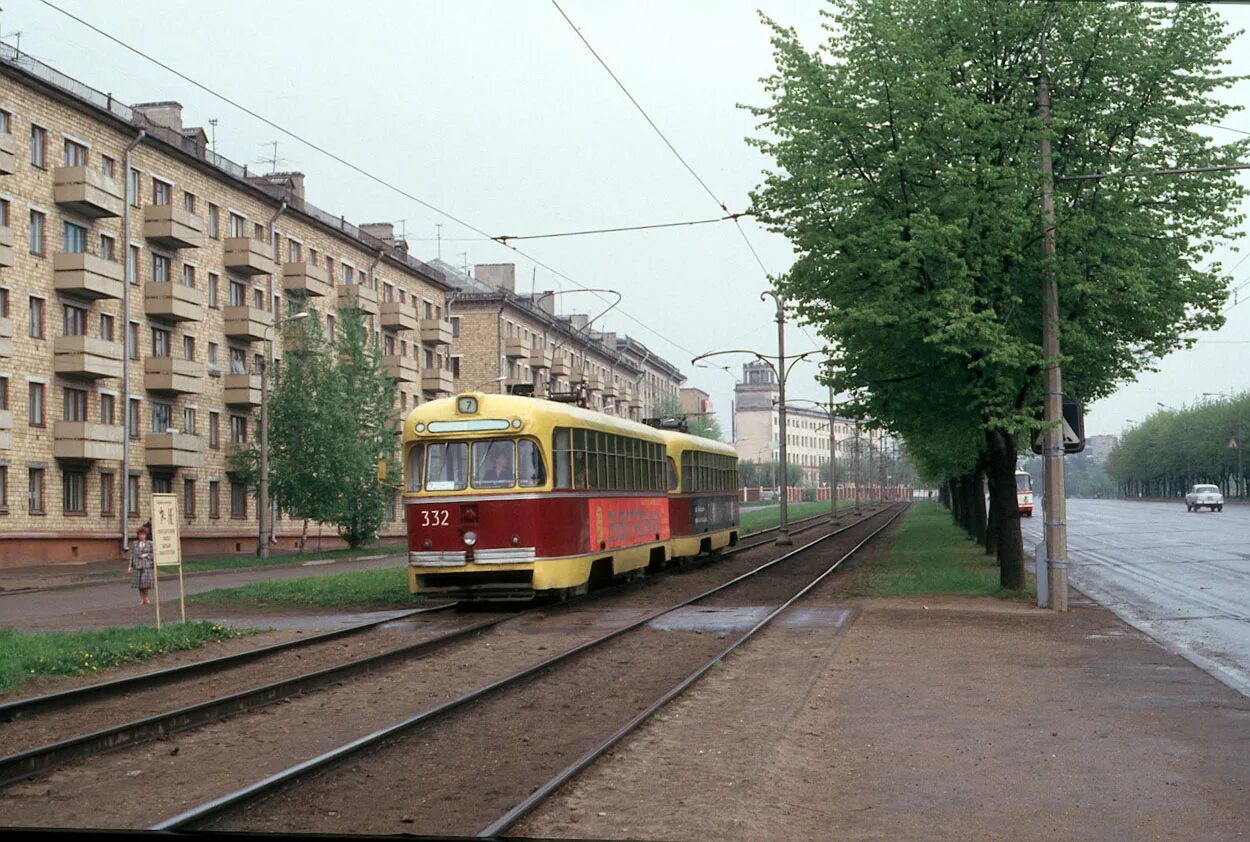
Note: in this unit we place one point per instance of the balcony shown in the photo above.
(173, 227)
(87, 276)
(242, 390)
(437, 380)
(6, 246)
(87, 357)
(87, 192)
(6, 429)
(403, 369)
(173, 450)
(540, 359)
(8, 154)
(305, 278)
(516, 349)
(245, 322)
(436, 332)
(6, 337)
(609, 389)
(358, 297)
(169, 374)
(249, 256)
(87, 440)
(594, 383)
(396, 315)
(560, 367)
(175, 302)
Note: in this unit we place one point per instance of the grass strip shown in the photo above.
(236, 561)
(24, 656)
(931, 555)
(385, 588)
(757, 519)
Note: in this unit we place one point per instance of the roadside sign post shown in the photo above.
(166, 548)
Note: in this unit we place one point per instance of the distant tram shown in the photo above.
(510, 497)
(1024, 493)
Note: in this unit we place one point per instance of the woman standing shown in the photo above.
(141, 564)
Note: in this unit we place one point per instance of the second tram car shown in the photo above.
(1024, 493)
(509, 497)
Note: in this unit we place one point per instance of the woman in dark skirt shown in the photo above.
(141, 564)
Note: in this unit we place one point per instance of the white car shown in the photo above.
(1204, 495)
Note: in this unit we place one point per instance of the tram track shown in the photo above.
(134, 704)
(527, 718)
(159, 726)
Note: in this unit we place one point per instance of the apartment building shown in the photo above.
(142, 279)
(512, 342)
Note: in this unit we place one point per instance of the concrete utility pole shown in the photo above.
(1056, 530)
(855, 469)
(783, 531)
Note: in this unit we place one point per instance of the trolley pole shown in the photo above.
(1056, 530)
(855, 469)
(783, 532)
(833, 462)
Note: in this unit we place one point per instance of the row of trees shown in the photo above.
(906, 176)
(332, 418)
(1173, 449)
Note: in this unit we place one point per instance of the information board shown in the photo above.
(166, 542)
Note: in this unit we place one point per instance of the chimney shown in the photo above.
(381, 230)
(547, 302)
(578, 320)
(499, 275)
(286, 185)
(168, 114)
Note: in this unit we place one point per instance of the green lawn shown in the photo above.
(758, 519)
(384, 588)
(931, 555)
(236, 561)
(26, 656)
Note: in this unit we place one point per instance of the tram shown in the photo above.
(509, 497)
(1024, 493)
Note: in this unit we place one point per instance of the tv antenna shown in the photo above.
(212, 122)
(273, 160)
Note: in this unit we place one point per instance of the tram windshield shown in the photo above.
(496, 463)
(1024, 482)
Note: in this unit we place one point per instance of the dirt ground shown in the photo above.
(941, 718)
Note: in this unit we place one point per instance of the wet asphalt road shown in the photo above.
(1181, 577)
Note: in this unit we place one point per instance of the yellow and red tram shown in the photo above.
(509, 497)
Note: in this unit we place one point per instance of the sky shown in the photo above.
(496, 113)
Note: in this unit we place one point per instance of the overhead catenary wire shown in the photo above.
(503, 239)
(357, 169)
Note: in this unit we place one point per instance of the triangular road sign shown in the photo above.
(1233, 443)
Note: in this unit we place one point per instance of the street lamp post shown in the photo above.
(782, 372)
(266, 522)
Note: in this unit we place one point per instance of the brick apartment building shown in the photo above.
(140, 277)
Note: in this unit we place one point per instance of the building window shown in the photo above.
(238, 429)
(258, 232)
(238, 226)
(4, 489)
(214, 221)
(238, 293)
(213, 280)
(74, 238)
(330, 328)
(188, 498)
(212, 357)
(132, 264)
(75, 154)
(107, 166)
(108, 409)
(160, 342)
(6, 122)
(35, 415)
(36, 232)
(34, 491)
(455, 367)
(108, 248)
(188, 202)
(349, 275)
(455, 326)
(214, 499)
(162, 192)
(162, 414)
(74, 492)
(160, 269)
(238, 500)
(75, 320)
(75, 405)
(106, 494)
(39, 147)
(132, 494)
(188, 275)
(132, 417)
(132, 340)
(214, 436)
(106, 327)
(188, 347)
(162, 485)
(188, 420)
(134, 188)
(294, 250)
(238, 361)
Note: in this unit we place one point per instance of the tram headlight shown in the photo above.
(470, 538)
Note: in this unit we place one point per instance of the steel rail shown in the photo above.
(539, 795)
(196, 815)
(31, 705)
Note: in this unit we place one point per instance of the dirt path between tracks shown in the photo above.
(939, 718)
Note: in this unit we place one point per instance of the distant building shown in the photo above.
(695, 401)
(1098, 448)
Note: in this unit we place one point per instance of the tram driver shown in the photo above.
(494, 469)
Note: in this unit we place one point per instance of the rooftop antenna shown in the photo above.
(464, 255)
(212, 121)
(272, 160)
(438, 229)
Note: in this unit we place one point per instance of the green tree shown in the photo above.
(705, 426)
(906, 177)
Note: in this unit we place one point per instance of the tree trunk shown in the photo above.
(978, 504)
(993, 522)
(1002, 461)
(303, 538)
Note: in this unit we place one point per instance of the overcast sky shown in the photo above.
(496, 113)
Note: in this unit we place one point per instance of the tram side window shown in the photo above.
(494, 464)
(562, 455)
(672, 475)
(414, 467)
(447, 466)
(531, 472)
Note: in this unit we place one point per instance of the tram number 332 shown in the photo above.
(437, 517)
